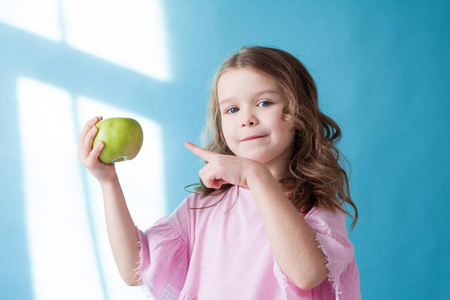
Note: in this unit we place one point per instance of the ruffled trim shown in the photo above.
(332, 278)
(140, 282)
(165, 254)
(337, 249)
(291, 291)
(281, 276)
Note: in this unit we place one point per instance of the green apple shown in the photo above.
(123, 139)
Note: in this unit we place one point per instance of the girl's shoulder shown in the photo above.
(324, 217)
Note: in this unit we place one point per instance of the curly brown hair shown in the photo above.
(316, 174)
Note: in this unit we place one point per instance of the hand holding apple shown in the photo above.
(89, 156)
(122, 138)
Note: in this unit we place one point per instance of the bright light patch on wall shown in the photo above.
(38, 17)
(142, 178)
(130, 33)
(61, 251)
(142, 181)
(69, 250)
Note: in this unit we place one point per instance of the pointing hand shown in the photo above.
(222, 169)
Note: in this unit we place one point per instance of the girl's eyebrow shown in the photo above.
(257, 94)
(268, 91)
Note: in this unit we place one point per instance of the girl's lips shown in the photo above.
(253, 137)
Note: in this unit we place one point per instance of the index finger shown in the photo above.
(203, 153)
(88, 127)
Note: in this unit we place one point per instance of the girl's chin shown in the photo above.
(258, 158)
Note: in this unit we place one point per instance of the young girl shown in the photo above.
(267, 220)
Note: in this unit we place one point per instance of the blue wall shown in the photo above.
(383, 73)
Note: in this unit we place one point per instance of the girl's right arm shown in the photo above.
(122, 232)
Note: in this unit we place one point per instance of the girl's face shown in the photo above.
(251, 106)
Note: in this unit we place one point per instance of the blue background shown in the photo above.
(383, 73)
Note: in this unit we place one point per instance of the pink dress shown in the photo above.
(222, 252)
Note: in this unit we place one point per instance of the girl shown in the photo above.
(267, 220)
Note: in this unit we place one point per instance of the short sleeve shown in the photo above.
(343, 277)
(338, 251)
(163, 261)
(291, 291)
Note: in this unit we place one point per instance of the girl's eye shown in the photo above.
(264, 103)
(232, 110)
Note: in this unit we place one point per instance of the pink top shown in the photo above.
(222, 252)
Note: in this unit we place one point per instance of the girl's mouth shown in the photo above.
(253, 137)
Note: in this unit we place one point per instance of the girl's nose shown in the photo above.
(249, 121)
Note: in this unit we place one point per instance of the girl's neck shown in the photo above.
(280, 167)
(278, 170)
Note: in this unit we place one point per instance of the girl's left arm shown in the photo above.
(291, 238)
